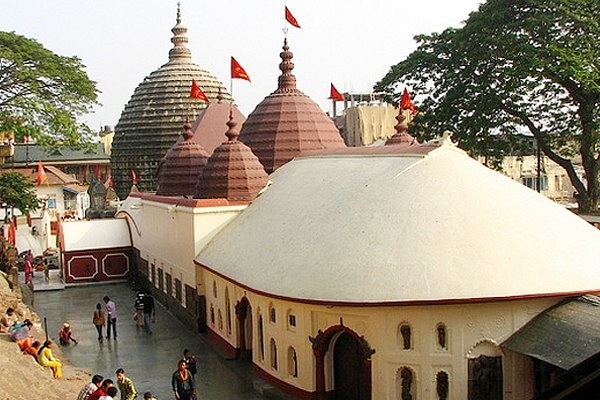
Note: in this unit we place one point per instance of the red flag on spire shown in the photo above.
(406, 103)
(197, 93)
(335, 95)
(290, 18)
(41, 174)
(237, 72)
(134, 177)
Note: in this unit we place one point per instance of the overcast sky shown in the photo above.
(350, 43)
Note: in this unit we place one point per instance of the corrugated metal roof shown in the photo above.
(32, 153)
(564, 336)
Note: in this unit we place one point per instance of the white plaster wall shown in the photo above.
(467, 325)
(169, 236)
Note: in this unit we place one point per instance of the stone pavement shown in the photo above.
(148, 359)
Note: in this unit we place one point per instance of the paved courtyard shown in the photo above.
(148, 359)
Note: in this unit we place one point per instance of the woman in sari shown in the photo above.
(47, 359)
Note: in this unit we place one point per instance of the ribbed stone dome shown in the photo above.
(232, 172)
(288, 122)
(180, 168)
(151, 121)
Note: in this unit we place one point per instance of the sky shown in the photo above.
(350, 43)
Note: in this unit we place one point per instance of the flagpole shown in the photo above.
(231, 85)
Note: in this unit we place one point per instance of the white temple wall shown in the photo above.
(469, 327)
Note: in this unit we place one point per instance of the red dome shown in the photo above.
(179, 169)
(288, 122)
(232, 172)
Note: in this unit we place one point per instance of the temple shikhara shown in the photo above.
(401, 271)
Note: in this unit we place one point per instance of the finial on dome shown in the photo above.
(232, 133)
(287, 81)
(401, 127)
(446, 139)
(179, 39)
(187, 130)
(220, 96)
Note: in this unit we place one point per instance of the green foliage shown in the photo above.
(42, 94)
(16, 190)
(516, 66)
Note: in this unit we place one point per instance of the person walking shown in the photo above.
(111, 317)
(183, 383)
(149, 312)
(99, 320)
(90, 387)
(28, 272)
(139, 309)
(126, 386)
(190, 360)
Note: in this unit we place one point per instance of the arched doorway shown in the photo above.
(350, 359)
(243, 312)
(485, 372)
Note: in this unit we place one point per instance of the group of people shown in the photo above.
(101, 319)
(145, 315)
(182, 380)
(105, 389)
(182, 383)
(20, 333)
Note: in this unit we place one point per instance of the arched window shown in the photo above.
(291, 320)
(261, 338)
(272, 314)
(441, 336)
(215, 289)
(228, 310)
(212, 315)
(405, 336)
(405, 383)
(442, 385)
(273, 354)
(220, 319)
(292, 362)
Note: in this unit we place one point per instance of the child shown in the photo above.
(65, 335)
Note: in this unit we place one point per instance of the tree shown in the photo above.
(17, 191)
(42, 94)
(515, 66)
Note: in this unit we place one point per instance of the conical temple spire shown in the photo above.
(179, 39)
(287, 81)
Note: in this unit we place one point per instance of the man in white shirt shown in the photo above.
(111, 317)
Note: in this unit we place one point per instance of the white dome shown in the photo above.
(398, 228)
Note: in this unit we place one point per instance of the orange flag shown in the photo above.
(134, 177)
(41, 174)
(407, 104)
(197, 93)
(290, 18)
(237, 72)
(335, 95)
